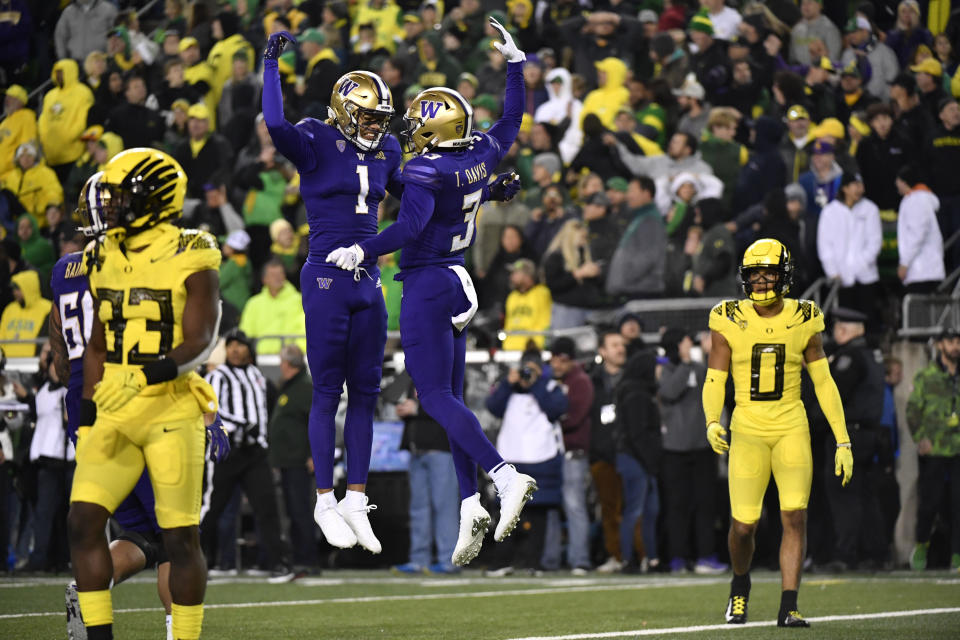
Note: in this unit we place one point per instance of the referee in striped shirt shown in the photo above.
(242, 394)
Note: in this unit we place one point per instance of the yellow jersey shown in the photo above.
(766, 360)
(141, 291)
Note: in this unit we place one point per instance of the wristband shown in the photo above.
(844, 444)
(88, 412)
(160, 370)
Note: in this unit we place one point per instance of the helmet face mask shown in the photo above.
(438, 118)
(361, 99)
(144, 187)
(764, 258)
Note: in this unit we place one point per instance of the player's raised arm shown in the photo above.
(289, 141)
(506, 128)
(829, 398)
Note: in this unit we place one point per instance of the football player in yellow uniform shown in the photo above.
(763, 342)
(156, 291)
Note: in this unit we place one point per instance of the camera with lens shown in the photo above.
(528, 374)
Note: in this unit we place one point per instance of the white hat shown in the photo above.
(238, 240)
(691, 88)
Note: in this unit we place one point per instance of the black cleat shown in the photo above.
(792, 619)
(736, 612)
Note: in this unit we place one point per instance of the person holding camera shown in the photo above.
(530, 403)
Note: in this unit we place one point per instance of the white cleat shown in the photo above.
(474, 521)
(335, 529)
(356, 518)
(512, 499)
(75, 628)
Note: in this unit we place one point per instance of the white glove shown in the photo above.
(508, 49)
(347, 258)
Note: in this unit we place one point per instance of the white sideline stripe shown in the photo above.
(720, 627)
(400, 598)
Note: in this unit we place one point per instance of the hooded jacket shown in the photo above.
(64, 115)
(606, 100)
(849, 241)
(17, 128)
(83, 28)
(26, 321)
(221, 59)
(35, 188)
(38, 251)
(638, 417)
(918, 236)
(265, 315)
(562, 106)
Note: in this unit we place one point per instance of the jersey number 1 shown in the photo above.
(471, 203)
(364, 189)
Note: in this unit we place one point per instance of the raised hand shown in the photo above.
(507, 48)
(276, 43)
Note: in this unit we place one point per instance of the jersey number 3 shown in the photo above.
(471, 203)
(763, 357)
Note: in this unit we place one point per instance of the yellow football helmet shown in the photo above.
(356, 94)
(766, 253)
(438, 118)
(146, 187)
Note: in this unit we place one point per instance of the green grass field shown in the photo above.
(362, 605)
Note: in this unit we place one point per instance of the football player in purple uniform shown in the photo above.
(444, 186)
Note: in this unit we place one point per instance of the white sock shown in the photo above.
(327, 499)
(169, 627)
(502, 475)
(355, 498)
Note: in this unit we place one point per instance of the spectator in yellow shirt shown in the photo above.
(528, 306)
(19, 125)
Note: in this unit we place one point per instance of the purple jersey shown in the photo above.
(443, 192)
(341, 184)
(72, 298)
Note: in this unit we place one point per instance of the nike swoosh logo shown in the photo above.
(168, 430)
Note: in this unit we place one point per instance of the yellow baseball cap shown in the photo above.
(18, 92)
(186, 43)
(928, 65)
(181, 103)
(829, 127)
(198, 111)
(797, 112)
(92, 134)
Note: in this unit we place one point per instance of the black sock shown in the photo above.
(788, 601)
(740, 585)
(100, 632)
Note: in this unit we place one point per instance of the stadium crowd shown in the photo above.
(659, 140)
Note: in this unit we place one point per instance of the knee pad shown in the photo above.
(152, 549)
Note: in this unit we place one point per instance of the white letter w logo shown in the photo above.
(324, 283)
(429, 109)
(347, 86)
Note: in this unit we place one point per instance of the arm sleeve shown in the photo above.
(416, 209)
(714, 393)
(497, 401)
(673, 383)
(829, 398)
(505, 130)
(637, 164)
(909, 232)
(551, 398)
(395, 182)
(290, 141)
(915, 409)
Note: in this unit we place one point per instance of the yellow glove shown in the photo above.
(715, 434)
(843, 463)
(119, 388)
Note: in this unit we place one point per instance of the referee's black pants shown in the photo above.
(246, 467)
